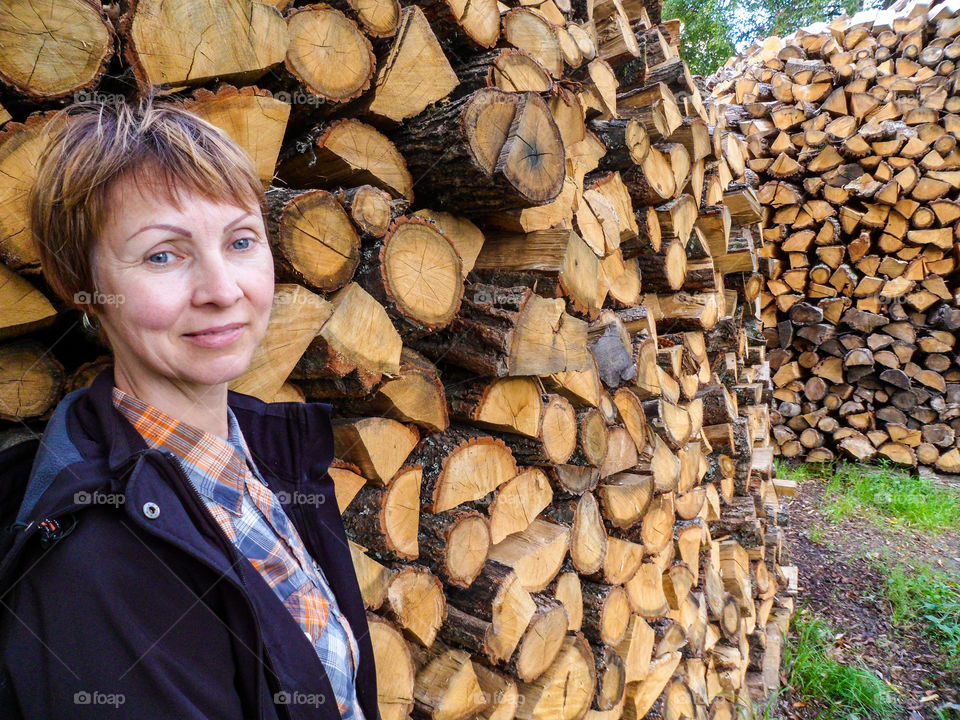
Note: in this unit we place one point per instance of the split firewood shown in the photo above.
(533, 268)
(860, 240)
(510, 331)
(482, 141)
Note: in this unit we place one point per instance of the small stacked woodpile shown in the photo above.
(852, 130)
(558, 486)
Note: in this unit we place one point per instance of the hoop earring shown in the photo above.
(90, 326)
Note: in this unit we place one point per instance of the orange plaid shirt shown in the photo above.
(252, 517)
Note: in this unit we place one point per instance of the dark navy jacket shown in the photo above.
(145, 609)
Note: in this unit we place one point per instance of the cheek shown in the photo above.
(261, 285)
(153, 308)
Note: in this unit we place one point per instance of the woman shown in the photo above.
(150, 569)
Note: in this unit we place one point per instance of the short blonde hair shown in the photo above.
(95, 145)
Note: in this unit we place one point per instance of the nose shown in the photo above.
(216, 281)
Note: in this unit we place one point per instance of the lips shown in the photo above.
(216, 330)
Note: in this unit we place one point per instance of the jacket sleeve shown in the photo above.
(108, 623)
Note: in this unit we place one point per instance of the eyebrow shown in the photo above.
(182, 231)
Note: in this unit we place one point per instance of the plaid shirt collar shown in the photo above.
(222, 464)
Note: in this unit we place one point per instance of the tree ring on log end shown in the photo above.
(480, 19)
(379, 18)
(328, 53)
(468, 547)
(52, 49)
(167, 43)
(21, 146)
(318, 239)
(30, 380)
(559, 429)
(517, 70)
(422, 272)
(541, 643)
(485, 121)
(532, 158)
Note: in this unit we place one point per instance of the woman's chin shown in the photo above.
(216, 372)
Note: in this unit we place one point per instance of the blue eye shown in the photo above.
(246, 240)
(165, 252)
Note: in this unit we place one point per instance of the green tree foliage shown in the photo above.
(715, 29)
(708, 36)
(781, 17)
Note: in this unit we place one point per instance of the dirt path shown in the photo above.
(839, 580)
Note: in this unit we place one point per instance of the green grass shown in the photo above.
(950, 711)
(843, 690)
(922, 597)
(760, 710)
(815, 534)
(895, 493)
(928, 598)
(798, 471)
(857, 490)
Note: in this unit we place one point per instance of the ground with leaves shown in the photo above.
(846, 554)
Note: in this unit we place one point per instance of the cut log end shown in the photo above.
(423, 273)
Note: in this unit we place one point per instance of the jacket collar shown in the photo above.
(285, 440)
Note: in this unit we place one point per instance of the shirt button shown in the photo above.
(309, 636)
(151, 510)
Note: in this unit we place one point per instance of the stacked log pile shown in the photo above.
(515, 250)
(852, 130)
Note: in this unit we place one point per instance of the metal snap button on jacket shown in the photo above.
(151, 510)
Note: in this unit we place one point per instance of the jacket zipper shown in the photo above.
(233, 552)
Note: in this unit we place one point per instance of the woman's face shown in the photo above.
(167, 275)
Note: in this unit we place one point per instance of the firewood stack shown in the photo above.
(852, 131)
(558, 486)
